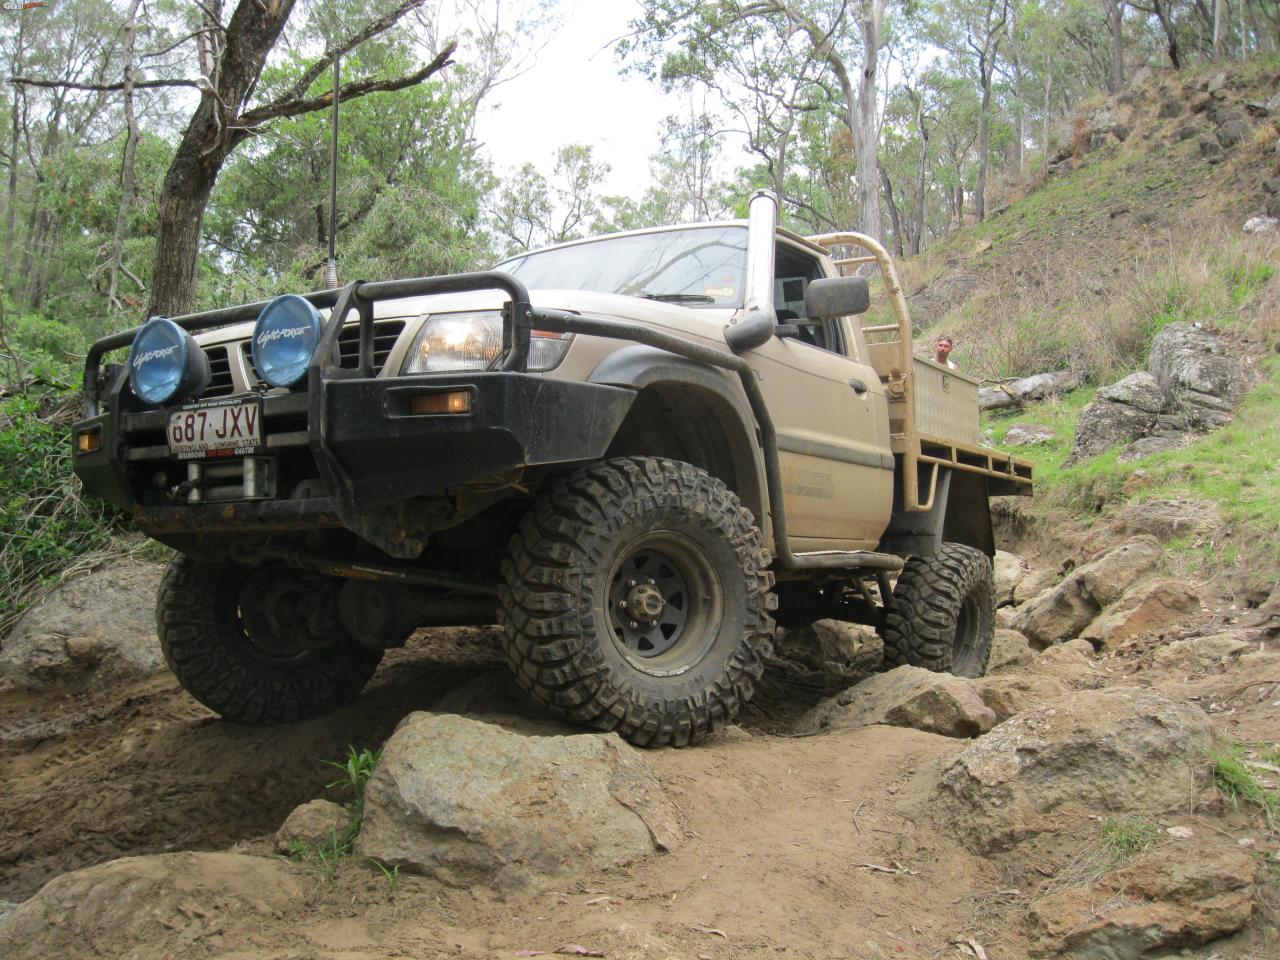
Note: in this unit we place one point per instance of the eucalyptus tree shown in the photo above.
(533, 210)
(706, 42)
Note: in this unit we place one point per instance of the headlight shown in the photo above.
(456, 341)
(166, 362)
(473, 341)
(284, 340)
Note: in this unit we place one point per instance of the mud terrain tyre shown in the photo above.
(944, 613)
(636, 598)
(210, 649)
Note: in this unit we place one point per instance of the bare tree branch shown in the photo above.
(104, 87)
(371, 30)
(348, 91)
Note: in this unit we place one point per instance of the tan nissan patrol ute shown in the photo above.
(632, 452)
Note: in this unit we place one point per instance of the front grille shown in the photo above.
(221, 384)
(385, 335)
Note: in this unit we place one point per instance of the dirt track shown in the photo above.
(815, 846)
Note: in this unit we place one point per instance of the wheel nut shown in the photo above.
(633, 624)
(652, 582)
(631, 583)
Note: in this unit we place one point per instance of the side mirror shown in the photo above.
(836, 297)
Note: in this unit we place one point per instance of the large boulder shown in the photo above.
(1167, 519)
(1104, 424)
(1198, 374)
(1029, 435)
(1112, 751)
(1036, 582)
(1170, 897)
(824, 656)
(1009, 571)
(168, 902)
(1205, 651)
(907, 697)
(1009, 648)
(1139, 390)
(472, 803)
(1061, 613)
(94, 630)
(1145, 610)
(1012, 694)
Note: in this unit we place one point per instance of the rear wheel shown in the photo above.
(943, 616)
(255, 644)
(635, 598)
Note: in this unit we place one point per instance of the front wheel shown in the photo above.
(635, 598)
(252, 643)
(943, 616)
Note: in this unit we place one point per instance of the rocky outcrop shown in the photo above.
(1192, 384)
(312, 824)
(1104, 424)
(1170, 897)
(1009, 649)
(1010, 695)
(168, 902)
(1205, 651)
(939, 296)
(1145, 610)
(1036, 582)
(1115, 751)
(1028, 435)
(1202, 381)
(93, 630)
(907, 697)
(1009, 571)
(824, 656)
(1061, 613)
(1167, 519)
(471, 803)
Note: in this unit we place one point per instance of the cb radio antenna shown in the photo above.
(331, 265)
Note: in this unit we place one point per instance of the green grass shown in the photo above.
(329, 854)
(1248, 775)
(1125, 838)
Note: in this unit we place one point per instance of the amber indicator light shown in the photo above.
(89, 440)
(456, 401)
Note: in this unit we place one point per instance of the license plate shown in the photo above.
(219, 428)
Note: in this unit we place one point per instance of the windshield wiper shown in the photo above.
(679, 297)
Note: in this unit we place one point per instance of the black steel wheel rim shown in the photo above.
(665, 603)
(965, 647)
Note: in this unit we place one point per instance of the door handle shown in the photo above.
(859, 386)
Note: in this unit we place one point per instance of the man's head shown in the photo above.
(942, 347)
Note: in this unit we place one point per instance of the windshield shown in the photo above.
(698, 267)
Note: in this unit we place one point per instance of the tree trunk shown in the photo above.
(1170, 35)
(1020, 113)
(11, 203)
(1217, 29)
(205, 146)
(917, 233)
(1261, 39)
(984, 148)
(1045, 112)
(1115, 22)
(126, 163)
(895, 218)
(866, 136)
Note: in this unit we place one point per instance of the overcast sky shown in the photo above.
(574, 94)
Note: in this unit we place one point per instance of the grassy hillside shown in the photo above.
(1086, 269)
